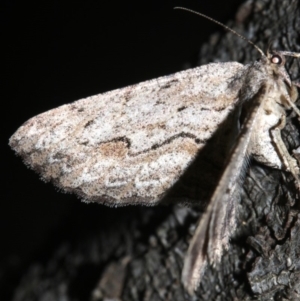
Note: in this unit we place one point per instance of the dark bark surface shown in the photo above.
(140, 257)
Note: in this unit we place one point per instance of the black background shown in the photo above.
(61, 51)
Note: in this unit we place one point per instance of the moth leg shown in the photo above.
(297, 84)
(289, 162)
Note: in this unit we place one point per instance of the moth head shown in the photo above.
(276, 62)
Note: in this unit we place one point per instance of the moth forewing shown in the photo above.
(129, 146)
(212, 234)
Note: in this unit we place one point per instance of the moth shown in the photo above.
(135, 144)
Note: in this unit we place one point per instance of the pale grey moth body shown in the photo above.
(131, 145)
(266, 92)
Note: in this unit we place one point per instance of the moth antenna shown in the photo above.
(290, 53)
(270, 47)
(224, 26)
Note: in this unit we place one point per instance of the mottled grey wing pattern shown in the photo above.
(130, 145)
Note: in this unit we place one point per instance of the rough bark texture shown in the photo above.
(141, 258)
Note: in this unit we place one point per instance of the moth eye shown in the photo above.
(276, 59)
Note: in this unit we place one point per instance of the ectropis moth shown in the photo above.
(132, 145)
